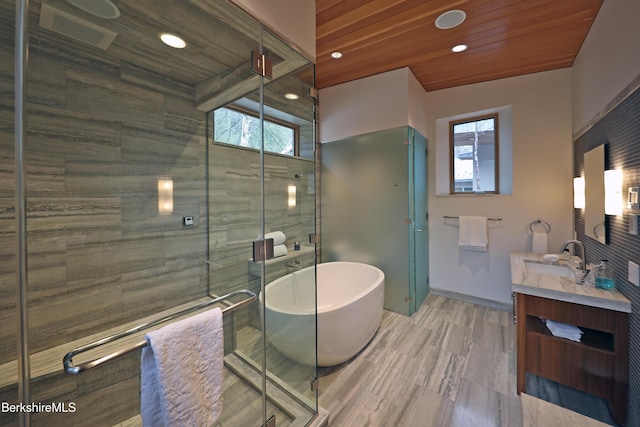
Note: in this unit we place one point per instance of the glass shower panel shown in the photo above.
(290, 313)
(118, 220)
(234, 218)
(262, 148)
(8, 261)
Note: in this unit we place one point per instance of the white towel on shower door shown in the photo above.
(182, 372)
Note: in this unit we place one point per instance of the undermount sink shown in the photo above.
(536, 267)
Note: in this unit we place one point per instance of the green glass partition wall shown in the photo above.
(419, 230)
(374, 210)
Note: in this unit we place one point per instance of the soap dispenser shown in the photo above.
(604, 276)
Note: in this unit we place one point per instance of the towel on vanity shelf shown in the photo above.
(278, 237)
(181, 372)
(473, 233)
(280, 250)
(564, 330)
(539, 242)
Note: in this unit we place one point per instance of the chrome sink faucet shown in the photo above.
(583, 252)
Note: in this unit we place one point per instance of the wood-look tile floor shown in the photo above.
(450, 364)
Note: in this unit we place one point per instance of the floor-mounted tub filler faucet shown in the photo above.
(583, 253)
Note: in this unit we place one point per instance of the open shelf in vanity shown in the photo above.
(598, 364)
(592, 339)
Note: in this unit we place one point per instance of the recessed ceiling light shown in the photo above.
(450, 19)
(459, 48)
(291, 96)
(172, 40)
(336, 55)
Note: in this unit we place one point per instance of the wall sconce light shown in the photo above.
(632, 198)
(613, 192)
(578, 192)
(292, 196)
(165, 196)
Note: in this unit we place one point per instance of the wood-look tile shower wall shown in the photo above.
(100, 135)
(8, 251)
(235, 191)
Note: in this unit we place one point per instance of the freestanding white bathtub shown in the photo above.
(350, 296)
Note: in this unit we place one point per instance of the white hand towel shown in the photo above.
(182, 372)
(539, 242)
(278, 237)
(564, 330)
(473, 234)
(279, 250)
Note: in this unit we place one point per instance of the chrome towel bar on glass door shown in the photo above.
(70, 368)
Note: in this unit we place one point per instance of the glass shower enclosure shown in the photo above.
(134, 210)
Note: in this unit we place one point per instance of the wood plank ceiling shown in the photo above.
(505, 38)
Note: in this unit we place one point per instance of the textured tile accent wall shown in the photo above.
(100, 253)
(620, 129)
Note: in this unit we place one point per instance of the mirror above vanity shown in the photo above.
(594, 216)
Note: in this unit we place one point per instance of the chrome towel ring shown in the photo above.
(545, 225)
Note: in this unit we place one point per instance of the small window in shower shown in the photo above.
(474, 155)
(242, 128)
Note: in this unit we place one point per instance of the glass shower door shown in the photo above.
(262, 184)
(117, 161)
(419, 232)
(290, 200)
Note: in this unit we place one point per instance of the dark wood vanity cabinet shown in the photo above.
(598, 364)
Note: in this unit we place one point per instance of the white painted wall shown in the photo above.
(384, 101)
(417, 104)
(542, 181)
(294, 20)
(608, 61)
(541, 152)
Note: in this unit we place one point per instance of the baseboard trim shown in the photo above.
(497, 305)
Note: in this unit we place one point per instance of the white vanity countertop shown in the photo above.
(561, 288)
